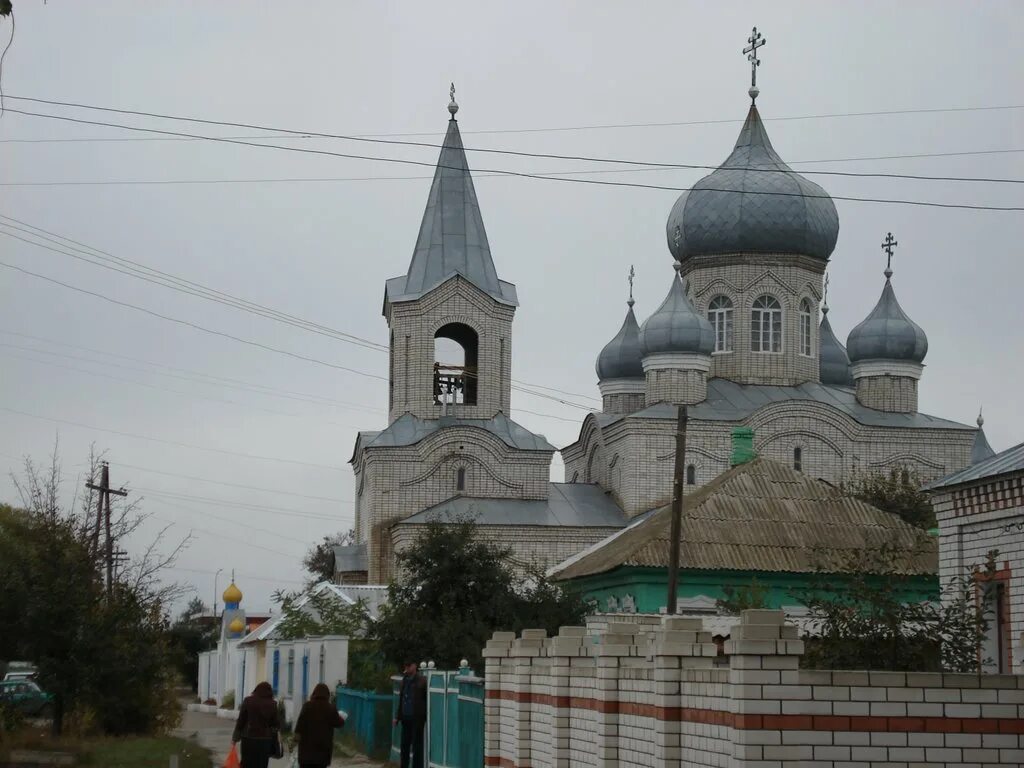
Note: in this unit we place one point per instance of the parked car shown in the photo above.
(21, 674)
(26, 697)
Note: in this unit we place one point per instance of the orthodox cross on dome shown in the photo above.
(632, 274)
(453, 107)
(887, 245)
(824, 297)
(756, 41)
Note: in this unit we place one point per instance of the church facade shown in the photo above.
(742, 339)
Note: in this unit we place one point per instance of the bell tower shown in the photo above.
(450, 316)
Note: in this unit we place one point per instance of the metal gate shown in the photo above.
(454, 731)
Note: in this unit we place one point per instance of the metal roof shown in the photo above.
(981, 450)
(833, 362)
(620, 358)
(374, 596)
(408, 429)
(729, 401)
(729, 211)
(676, 326)
(887, 333)
(762, 516)
(568, 504)
(452, 240)
(1010, 460)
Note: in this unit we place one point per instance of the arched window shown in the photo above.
(766, 325)
(456, 349)
(798, 459)
(805, 328)
(460, 479)
(691, 474)
(720, 317)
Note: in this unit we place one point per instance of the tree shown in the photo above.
(743, 597)
(899, 493)
(190, 636)
(319, 559)
(456, 589)
(870, 621)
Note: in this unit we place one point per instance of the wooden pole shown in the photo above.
(678, 475)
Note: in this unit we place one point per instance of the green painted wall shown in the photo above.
(648, 586)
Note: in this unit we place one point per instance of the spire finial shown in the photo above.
(756, 41)
(632, 274)
(824, 298)
(453, 107)
(981, 419)
(887, 245)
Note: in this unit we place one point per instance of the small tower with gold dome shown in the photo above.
(233, 620)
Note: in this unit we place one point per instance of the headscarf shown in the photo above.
(263, 691)
(321, 691)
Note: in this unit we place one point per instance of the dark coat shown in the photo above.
(315, 728)
(419, 698)
(257, 717)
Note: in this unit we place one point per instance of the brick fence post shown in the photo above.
(760, 649)
(561, 650)
(529, 646)
(495, 651)
(618, 641)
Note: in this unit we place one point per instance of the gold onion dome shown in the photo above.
(232, 594)
(236, 625)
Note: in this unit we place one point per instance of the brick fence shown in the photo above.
(648, 693)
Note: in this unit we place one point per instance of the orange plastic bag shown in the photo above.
(232, 760)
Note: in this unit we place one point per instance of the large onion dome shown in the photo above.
(620, 358)
(753, 202)
(887, 333)
(676, 327)
(833, 362)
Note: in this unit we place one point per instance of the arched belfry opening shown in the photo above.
(456, 351)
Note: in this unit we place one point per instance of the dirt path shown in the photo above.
(214, 733)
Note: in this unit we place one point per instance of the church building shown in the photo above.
(742, 339)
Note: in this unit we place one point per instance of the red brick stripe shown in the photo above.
(859, 723)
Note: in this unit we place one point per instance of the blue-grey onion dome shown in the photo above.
(620, 358)
(676, 327)
(833, 362)
(887, 333)
(753, 202)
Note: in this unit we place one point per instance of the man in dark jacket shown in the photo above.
(411, 712)
(314, 729)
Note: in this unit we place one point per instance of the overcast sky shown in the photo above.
(321, 250)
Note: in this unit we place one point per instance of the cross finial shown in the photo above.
(981, 419)
(756, 41)
(453, 107)
(632, 274)
(824, 298)
(887, 245)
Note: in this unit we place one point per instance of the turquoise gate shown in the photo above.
(455, 719)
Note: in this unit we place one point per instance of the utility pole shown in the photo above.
(103, 513)
(678, 474)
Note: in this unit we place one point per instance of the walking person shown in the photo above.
(314, 729)
(257, 727)
(411, 712)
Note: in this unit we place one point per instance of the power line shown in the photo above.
(239, 504)
(249, 526)
(167, 442)
(513, 153)
(234, 539)
(558, 129)
(525, 175)
(247, 576)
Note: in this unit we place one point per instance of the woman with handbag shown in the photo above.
(257, 728)
(314, 729)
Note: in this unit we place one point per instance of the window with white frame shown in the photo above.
(766, 325)
(720, 317)
(805, 328)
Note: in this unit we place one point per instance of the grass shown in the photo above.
(146, 752)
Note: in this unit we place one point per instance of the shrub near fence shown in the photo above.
(368, 727)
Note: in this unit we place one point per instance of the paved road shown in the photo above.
(214, 733)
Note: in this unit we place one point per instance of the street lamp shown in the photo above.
(215, 577)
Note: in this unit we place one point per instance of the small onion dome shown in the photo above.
(232, 594)
(753, 202)
(833, 362)
(236, 625)
(620, 358)
(676, 327)
(887, 333)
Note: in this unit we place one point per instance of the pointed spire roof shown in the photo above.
(981, 450)
(887, 333)
(621, 358)
(452, 239)
(833, 362)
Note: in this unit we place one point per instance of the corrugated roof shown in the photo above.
(408, 429)
(728, 401)
(760, 516)
(568, 504)
(1010, 460)
(374, 596)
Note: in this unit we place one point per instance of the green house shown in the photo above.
(760, 521)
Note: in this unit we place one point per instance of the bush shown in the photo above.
(227, 701)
